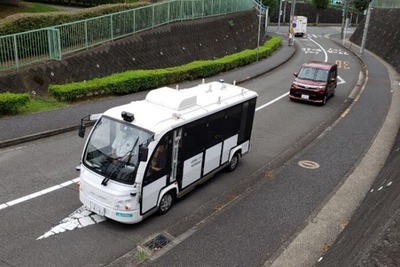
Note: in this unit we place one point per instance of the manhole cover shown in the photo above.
(157, 243)
(308, 164)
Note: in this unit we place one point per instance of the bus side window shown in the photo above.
(232, 121)
(193, 138)
(159, 159)
(215, 131)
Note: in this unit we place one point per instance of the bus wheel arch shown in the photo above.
(166, 201)
(234, 162)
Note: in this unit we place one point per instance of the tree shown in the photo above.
(360, 6)
(320, 5)
(272, 5)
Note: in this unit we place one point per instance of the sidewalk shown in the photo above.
(23, 128)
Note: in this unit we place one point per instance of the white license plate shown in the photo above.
(97, 209)
(305, 97)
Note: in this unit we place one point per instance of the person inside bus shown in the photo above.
(123, 144)
(159, 160)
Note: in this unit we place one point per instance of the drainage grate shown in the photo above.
(157, 243)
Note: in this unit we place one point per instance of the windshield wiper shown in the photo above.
(119, 165)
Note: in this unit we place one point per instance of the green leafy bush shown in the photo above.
(137, 80)
(10, 102)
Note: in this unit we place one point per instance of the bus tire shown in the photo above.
(166, 202)
(233, 163)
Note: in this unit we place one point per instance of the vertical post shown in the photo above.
(279, 15)
(134, 21)
(344, 17)
(86, 35)
(284, 13)
(203, 11)
(291, 32)
(111, 28)
(16, 51)
(168, 13)
(364, 38)
(153, 17)
(259, 30)
(181, 10)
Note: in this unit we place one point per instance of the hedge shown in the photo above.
(10, 102)
(137, 80)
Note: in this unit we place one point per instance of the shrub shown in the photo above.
(10, 102)
(137, 80)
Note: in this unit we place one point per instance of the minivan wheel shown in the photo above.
(233, 163)
(324, 100)
(166, 203)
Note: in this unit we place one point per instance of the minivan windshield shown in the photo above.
(314, 74)
(113, 149)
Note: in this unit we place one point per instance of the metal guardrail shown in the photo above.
(21, 49)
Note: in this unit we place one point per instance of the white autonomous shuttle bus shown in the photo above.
(140, 156)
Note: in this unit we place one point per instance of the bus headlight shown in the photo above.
(124, 204)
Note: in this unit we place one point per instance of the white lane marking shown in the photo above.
(80, 218)
(272, 101)
(326, 54)
(37, 194)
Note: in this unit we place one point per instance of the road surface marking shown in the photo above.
(37, 194)
(80, 218)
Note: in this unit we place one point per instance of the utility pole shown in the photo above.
(284, 13)
(291, 34)
(280, 14)
(344, 18)
(367, 19)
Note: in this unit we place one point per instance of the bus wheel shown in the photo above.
(233, 163)
(166, 203)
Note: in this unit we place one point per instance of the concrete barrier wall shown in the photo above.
(383, 36)
(171, 45)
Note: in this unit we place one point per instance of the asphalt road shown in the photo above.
(248, 216)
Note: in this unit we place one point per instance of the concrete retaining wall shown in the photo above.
(171, 45)
(383, 36)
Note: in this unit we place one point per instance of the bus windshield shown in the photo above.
(113, 149)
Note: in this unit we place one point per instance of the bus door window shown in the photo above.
(159, 163)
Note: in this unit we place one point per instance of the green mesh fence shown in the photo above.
(25, 48)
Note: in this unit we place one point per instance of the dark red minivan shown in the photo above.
(315, 82)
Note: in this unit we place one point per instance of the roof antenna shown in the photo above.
(177, 87)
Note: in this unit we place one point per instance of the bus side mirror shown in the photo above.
(143, 154)
(85, 120)
(81, 132)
